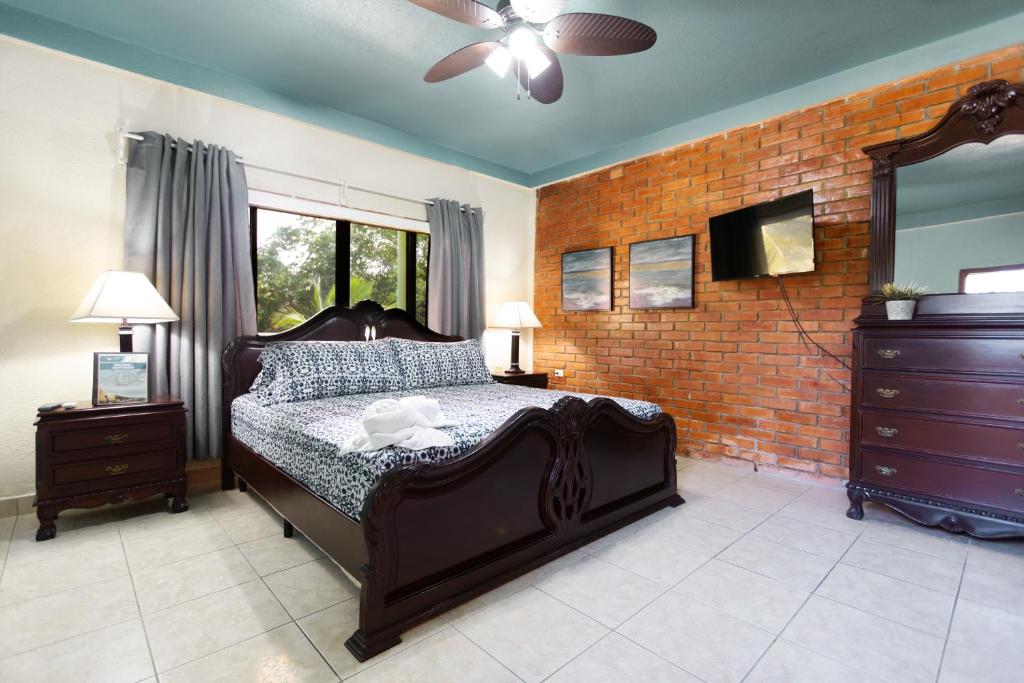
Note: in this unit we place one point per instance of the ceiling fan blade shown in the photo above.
(465, 11)
(461, 61)
(547, 87)
(598, 35)
(538, 11)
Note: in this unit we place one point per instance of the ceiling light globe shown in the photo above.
(536, 63)
(499, 61)
(522, 42)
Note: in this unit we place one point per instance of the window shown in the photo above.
(303, 264)
(996, 279)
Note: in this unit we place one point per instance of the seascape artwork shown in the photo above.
(661, 273)
(587, 280)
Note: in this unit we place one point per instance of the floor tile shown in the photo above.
(615, 659)
(988, 629)
(226, 503)
(907, 535)
(653, 558)
(907, 603)
(825, 508)
(531, 633)
(996, 556)
(729, 473)
(277, 553)
(311, 587)
(45, 577)
(162, 548)
(158, 520)
(963, 664)
(786, 662)
(693, 485)
(161, 587)
(330, 628)
(249, 526)
(440, 658)
(200, 627)
(553, 567)
(809, 538)
(877, 646)
(756, 599)
(760, 494)
(71, 539)
(924, 570)
(1003, 588)
(114, 654)
(505, 590)
(33, 623)
(704, 641)
(790, 566)
(692, 532)
(601, 590)
(725, 513)
(283, 654)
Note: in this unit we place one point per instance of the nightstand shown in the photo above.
(91, 455)
(537, 380)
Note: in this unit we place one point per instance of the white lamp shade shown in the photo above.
(120, 295)
(515, 315)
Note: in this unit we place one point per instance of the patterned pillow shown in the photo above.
(441, 364)
(303, 371)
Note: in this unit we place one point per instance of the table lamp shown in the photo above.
(126, 298)
(515, 315)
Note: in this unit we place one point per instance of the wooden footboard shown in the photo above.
(545, 483)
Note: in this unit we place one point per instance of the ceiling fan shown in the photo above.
(534, 31)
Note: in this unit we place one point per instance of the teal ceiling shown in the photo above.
(357, 65)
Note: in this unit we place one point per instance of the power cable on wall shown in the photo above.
(806, 338)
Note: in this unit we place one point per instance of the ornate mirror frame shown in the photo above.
(990, 110)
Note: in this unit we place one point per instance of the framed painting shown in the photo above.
(587, 280)
(661, 273)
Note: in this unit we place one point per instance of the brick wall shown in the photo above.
(733, 371)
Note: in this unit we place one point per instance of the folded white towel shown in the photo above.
(410, 422)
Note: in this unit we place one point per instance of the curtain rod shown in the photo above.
(340, 184)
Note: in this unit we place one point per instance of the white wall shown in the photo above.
(934, 255)
(62, 211)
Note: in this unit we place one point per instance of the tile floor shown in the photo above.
(756, 578)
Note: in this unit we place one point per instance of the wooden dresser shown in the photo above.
(938, 424)
(89, 456)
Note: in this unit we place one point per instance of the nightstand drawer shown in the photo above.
(114, 470)
(118, 434)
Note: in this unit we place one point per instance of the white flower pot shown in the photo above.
(900, 310)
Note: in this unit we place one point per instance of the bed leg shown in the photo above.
(242, 485)
(363, 647)
(227, 475)
(676, 501)
(289, 530)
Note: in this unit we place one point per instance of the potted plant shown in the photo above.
(899, 300)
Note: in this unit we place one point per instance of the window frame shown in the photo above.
(343, 257)
(965, 272)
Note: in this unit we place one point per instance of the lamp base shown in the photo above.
(513, 367)
(124, 334)
(515, 370)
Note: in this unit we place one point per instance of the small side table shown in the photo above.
(538, 380)
(88, 456)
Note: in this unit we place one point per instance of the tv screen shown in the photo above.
(774, 238)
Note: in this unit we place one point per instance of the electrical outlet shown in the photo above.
(559, 372)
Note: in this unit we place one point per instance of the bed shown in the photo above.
(532, 475)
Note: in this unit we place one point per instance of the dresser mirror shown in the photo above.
(960, 219)
(947, 206)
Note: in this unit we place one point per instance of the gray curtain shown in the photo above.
(187, 229)
(455, 284)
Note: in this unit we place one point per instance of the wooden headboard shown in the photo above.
(240, 362)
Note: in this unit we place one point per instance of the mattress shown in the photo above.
(303, 438)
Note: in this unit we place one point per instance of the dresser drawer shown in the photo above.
(1001, 444)
(943, 395)
(120, 434)
(960, 482)
(115, 470)
(954, 354)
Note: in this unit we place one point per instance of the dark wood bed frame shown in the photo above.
(433, 536)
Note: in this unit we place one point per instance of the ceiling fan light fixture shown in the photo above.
(536, 63)
(522, 42)
(499, 61)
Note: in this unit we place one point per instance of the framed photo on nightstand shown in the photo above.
(119, 378)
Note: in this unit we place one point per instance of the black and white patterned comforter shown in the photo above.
(303, 438)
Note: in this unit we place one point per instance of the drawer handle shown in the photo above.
(1020, 492)
(116, 469)
(1020, 446)
(114, 439)
(886, 471)
(889, 431)
(888, 354)
(1020, 402)
(888, 393)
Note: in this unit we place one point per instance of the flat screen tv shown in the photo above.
(774, 238)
